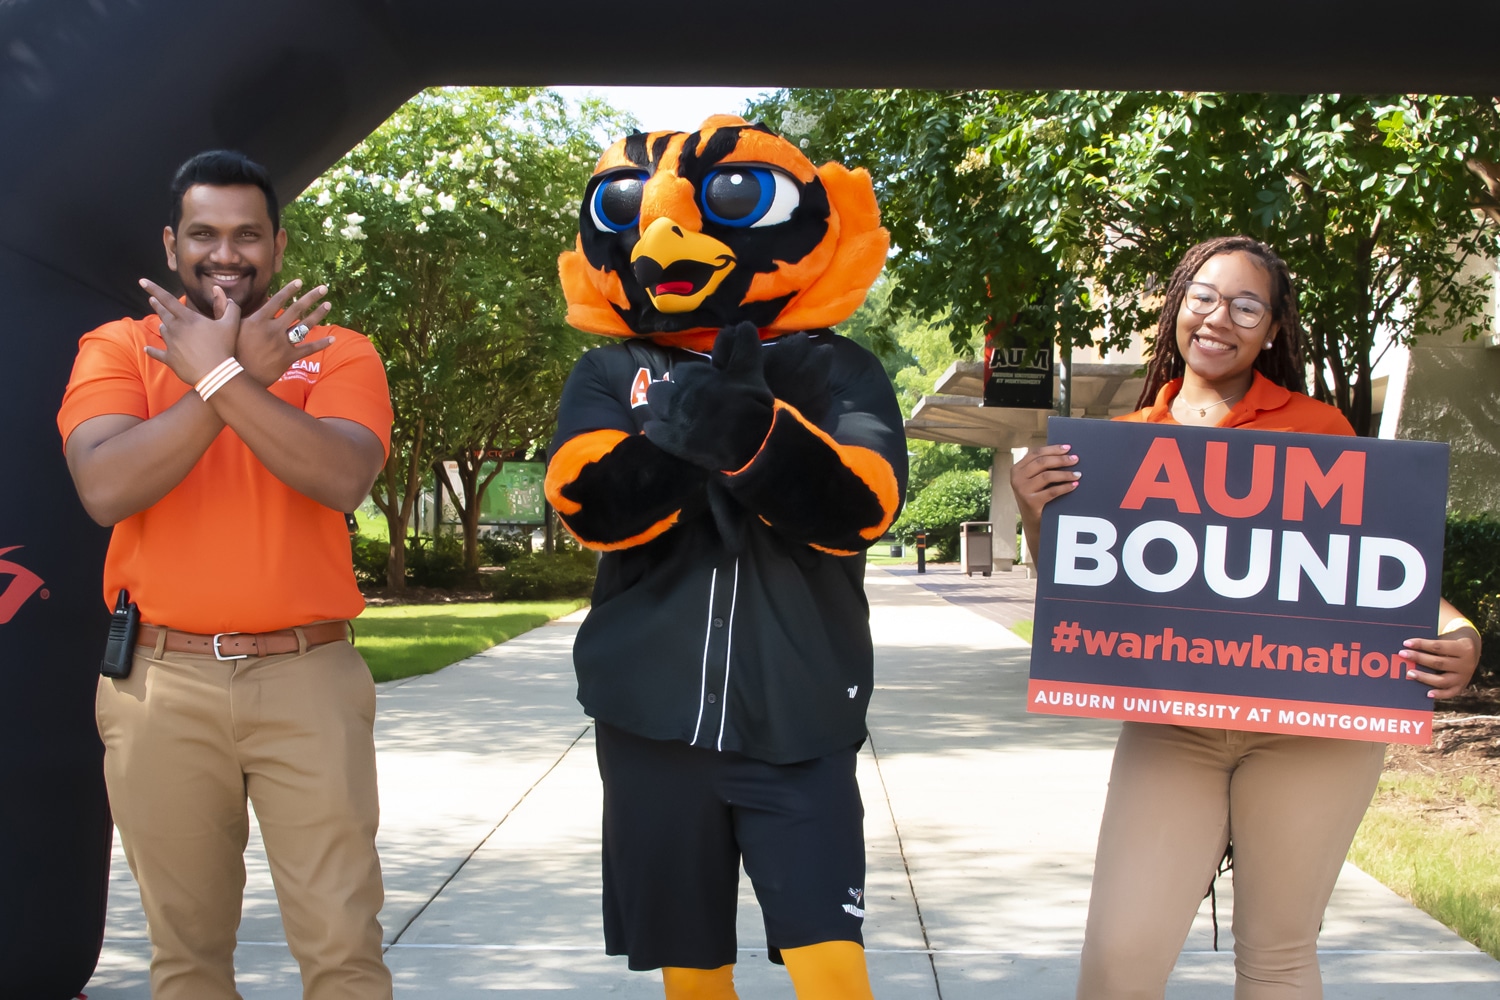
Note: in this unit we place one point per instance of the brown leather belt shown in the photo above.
(238, 645)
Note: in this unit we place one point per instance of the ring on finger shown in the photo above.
(297, 334)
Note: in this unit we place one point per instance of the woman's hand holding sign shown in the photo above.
(1044, 474)
(1448, 662)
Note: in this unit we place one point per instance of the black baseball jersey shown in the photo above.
(729, 610)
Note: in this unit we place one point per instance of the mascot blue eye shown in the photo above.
(744, 197)
(616, 203)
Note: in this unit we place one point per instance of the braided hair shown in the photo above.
(1281, 364)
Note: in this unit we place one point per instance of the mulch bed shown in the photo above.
(1465, 739)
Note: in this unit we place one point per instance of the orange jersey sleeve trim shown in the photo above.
(569, 461)
(872, 468)
(659, 528)
(832, 552)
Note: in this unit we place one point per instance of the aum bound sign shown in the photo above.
(1240, 579)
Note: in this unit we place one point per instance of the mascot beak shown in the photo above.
(678, 267)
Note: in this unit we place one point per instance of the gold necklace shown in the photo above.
(1203, 410)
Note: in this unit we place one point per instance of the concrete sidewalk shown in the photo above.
(980, 826)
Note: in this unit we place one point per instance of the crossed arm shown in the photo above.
(721, 422)
(122, 464)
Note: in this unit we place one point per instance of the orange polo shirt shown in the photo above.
(231, 548)
(1265, 407)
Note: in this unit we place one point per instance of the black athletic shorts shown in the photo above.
(678, 819)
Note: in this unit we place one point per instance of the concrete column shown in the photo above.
(1003, 510)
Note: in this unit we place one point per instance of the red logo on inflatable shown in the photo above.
(23, 583)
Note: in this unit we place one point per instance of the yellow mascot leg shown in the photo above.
(832, 970)
(699, 984)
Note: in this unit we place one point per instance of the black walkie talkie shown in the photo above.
(119, 651)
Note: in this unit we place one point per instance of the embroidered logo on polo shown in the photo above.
(641, 383)
(23, 584)
(856, 908)
(303, 368)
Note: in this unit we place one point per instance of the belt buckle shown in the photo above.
(220, 656)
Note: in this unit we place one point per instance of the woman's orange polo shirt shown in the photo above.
(1265, 407)
(231, 548)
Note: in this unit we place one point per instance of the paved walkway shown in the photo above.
(980, 821)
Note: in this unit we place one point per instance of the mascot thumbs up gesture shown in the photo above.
(731, 458)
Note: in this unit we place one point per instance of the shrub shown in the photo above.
(370, 557)
(1471, 583)
(946, 502)
(500, 547)
(540, 577)
(434, 561)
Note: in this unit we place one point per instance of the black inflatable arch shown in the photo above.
(101, 99)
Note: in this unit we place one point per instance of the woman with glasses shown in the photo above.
(1227, 353)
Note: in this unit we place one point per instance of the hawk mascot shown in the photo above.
(731, 458)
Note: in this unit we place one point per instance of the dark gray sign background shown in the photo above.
(1404, 497)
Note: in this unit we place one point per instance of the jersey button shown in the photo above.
(712, 698)
(718, 623)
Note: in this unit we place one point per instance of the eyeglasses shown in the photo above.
(1244, 311)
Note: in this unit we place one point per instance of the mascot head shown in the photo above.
(682, 233)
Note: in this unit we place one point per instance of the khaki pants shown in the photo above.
(1176, 796)
(186, 739)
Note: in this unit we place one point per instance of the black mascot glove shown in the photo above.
(715, 415)
(797, 369)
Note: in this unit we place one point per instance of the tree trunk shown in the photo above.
(471, 541)
(395, 561)
(439, 477)
(1362, 400)
(548, 544)
(466, 500)
(1362, 339)
(398, 511)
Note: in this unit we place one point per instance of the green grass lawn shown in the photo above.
(1436, 840)
(372, 525)
(407, 639)
(880, 555)
(1022, 629)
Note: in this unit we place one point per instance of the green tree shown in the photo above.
(1059, 212)
(915, 353)
(438, 237)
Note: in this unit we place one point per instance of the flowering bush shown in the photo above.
(438, 238)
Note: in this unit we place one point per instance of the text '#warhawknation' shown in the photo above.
(1169, 647)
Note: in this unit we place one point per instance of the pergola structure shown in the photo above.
(956, 413)
(101, 99)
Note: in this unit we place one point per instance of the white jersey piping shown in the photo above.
(708, 632)
(728, 649)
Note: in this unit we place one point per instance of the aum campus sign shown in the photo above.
(1240, 579)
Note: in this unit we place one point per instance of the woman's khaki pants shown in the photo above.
(1176, 797)
(187, 738)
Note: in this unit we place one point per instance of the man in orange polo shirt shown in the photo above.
(224, 437)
